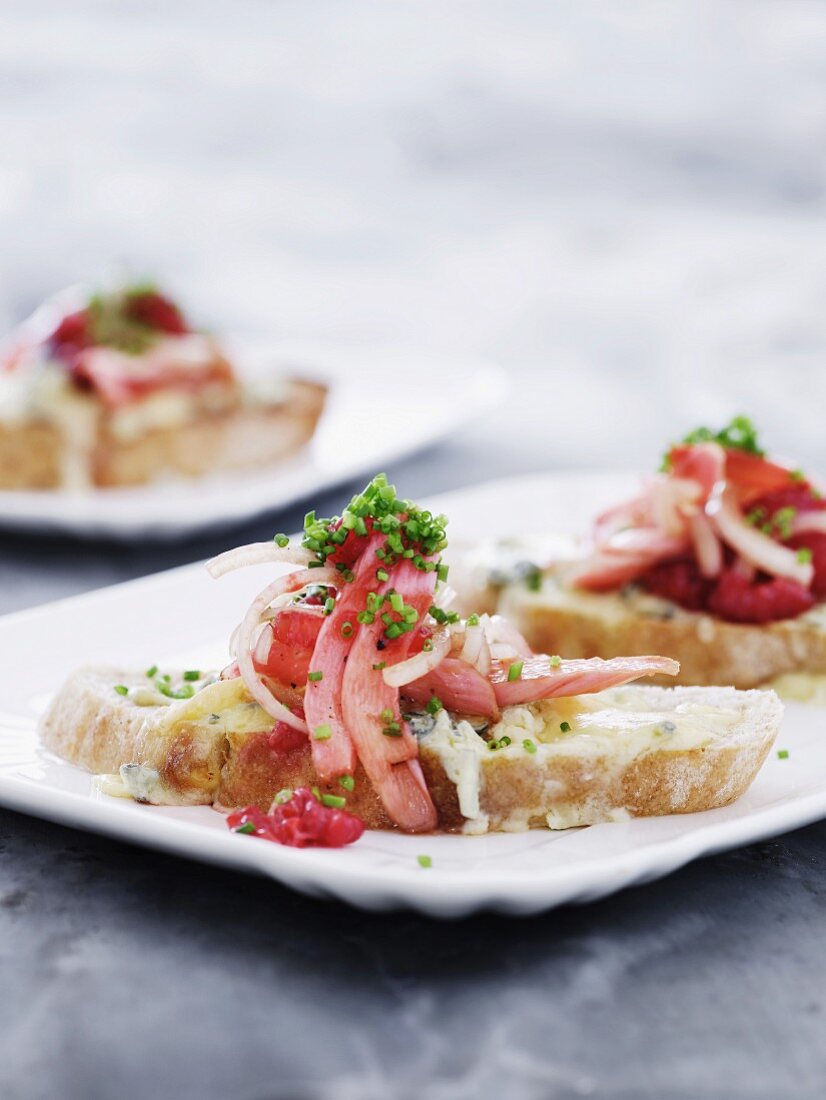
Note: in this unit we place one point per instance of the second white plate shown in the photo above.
(380, 408)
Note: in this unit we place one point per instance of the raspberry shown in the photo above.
(149, 308)
(71, 335)
(301, 822)
(284, 737)
(800, 497)
(742, 601)
(816, 542)
(679, 581)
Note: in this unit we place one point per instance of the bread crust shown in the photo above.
(710, 651)
(91, 725)
(236, 437)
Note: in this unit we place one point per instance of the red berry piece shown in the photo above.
(763, 601)
(301, 822)
(155, 311)
(679, 581)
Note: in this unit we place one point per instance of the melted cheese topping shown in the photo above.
(800, 687)
(612, 728)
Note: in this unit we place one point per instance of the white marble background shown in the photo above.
(623, 203)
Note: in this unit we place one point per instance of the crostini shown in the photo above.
(118, 389)
(355, 693)
(718, 562)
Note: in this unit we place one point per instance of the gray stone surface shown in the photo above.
(622, 203)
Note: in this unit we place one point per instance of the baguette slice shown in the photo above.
(560, 619)
(83, 445)
(629, 752)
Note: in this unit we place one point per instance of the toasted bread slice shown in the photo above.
(86, 445)
(634, 751)
(560, 619)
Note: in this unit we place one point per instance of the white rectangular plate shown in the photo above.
(380, 408)
(183, 616)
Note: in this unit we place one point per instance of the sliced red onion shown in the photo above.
(672, 498)
(256, 553)
(708, 549)
(503, 635)
(758, 549)
(419, 665)
(809, 521)
(474, 641)
(291, 582)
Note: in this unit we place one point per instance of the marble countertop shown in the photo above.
(623, 204)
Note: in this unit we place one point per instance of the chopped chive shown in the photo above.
(281, 540)
(382, 575)
(314, 677)
(150, 672)
(515, 671)
(347, 782)
(797, 475)
(121, 689)
(329, 604)
(387, 714)
(347, 629)
(284, 795)
(392, 729)
(442, 572)
(316, 793)
(397, 602)
(379, 666)
(424, 861)
(504, 741)
(192, 674)
(529, 746)
(185, 691)
(247, 827)
(472, 620)
(434, 705)
(555, 661)
(322, 732)
(334, 801)
(565, 727)
(395, 630)
(366, 618)
(804, 555)
(427, 645)
(782, 754)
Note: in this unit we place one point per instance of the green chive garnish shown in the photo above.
(392, 729)
(424, 861)
(804, 555)
(284, 795)
(565, 727)
(334, 801)
(192, 674)
(150, 672)
(529, 746)
(382, 575)
(515, 671)
(314, 677)
(434, 705)
(121, 689)
(247, 827)
(347, 782)
(379, 666)
(555, 662)
(473, 620)
(322, 732)
(782, 754)
(281, 540)
(346, 629)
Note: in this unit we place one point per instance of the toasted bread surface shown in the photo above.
(35, 454)
(198, 756)
(559, 619)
